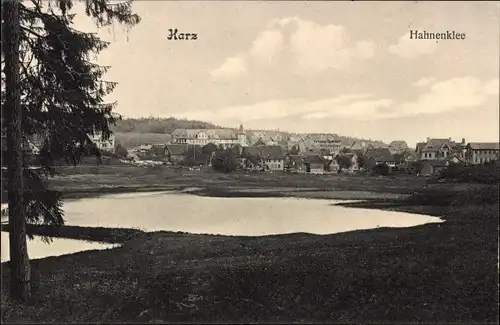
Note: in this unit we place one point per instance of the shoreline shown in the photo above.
(113, 235)
(430, 273)
(253, 192)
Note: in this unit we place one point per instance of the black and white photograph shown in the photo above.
(264, 162)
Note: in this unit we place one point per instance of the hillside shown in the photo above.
(159, 125)
(135, 131)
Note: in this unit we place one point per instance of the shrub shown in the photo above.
(224, 162)
(381, 169)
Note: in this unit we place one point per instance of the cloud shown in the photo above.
(412, 48)
(425, 81)
(308, 46)
(492, 87)
(267, 46)
(349, 105)
(320, 47)
(451, 95)
(233, 66)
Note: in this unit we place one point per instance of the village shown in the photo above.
(269, 151)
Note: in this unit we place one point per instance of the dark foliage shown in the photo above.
(484, 174)
(194, 156)
(381, 169)
(224, 161)
(159, 125)
(62, 91)
(345, 162)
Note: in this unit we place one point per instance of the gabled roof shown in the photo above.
(251, 151)
(294, 138)
(484, 145)
(434, 145)
(158, 149)
(398, 144)
(271, 152)
(321, 137)
(420, 146)
(379, 154)
(314, 159)
(178, 149)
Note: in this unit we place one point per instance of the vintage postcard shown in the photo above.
(324, 162)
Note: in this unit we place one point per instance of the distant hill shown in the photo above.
(136, 131)
(159, 125)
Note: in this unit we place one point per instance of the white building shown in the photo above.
(105, 145)
(225, 137)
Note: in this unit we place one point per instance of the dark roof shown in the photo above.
(313, 159)
(398, 144)
(250, 151)
(158, 149)
(420, 146)
(178, 149)
(271, 152)
(436, 144)
(484, 145)
(379, 154)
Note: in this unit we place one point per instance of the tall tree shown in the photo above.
(12, 114)
(61, 98)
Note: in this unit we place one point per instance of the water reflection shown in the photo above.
(226, 216)
(37, 248)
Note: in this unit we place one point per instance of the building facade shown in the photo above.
(104, 145)
(220, 137)
(477, 153)
(324, 141)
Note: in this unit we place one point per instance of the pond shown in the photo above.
(209, 215)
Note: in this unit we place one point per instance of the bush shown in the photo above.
(443, 197)
(224, 162)
(484, 174)
(381, 169)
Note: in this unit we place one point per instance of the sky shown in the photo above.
(336, 67)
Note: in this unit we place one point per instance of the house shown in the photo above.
(481, 152)
(353, 160)
(418, 149)
(358, 145)
(398, 146)
(324, 141)
(223, 137)
(315, 164)
(432, 167)
(333, 166)
(175, 153)
(273, 157)
(251, 158)
(104, 145)
(293, 139)
(377, 156)
(439, 149)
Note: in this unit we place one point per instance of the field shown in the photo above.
(133, 139)
(87, 180)
(435, 273)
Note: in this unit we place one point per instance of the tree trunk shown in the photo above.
(19, 260)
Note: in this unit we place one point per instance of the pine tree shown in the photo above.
(50, 81)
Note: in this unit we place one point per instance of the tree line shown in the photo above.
(159, 125)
